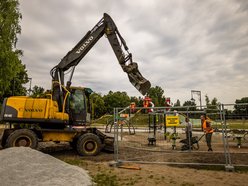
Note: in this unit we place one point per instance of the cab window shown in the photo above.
(77, 101)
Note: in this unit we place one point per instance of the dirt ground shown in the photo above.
(135, 148)
(151, 174)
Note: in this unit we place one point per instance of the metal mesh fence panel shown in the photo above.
(157, 135)
(235, 118)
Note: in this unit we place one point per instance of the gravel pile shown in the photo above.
(25, 166)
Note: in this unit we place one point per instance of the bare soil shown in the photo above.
(135, 148)
(155, 174)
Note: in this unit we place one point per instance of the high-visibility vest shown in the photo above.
(207, 127)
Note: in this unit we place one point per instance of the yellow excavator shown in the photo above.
(64, 115)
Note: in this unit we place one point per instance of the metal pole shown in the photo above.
(200, 100)
(116, 135)
(165, 137)
(225, 140)
(187, 124)
(154, 125)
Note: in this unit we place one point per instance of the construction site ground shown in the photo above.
(156, 174)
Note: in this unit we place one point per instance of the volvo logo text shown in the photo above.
(85, 44)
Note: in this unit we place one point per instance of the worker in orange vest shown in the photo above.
(208, 130)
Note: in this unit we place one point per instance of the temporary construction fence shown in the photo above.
(157, 135)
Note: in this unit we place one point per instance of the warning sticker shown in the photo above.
(172, 121)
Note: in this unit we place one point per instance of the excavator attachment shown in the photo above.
(135, 77)
(140, 83)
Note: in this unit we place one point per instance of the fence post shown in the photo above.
(228, 166)
(116, 150)
(165, 128)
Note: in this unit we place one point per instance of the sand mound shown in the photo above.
(25, 166)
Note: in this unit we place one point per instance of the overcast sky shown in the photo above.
(179, 45)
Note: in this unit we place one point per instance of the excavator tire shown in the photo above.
(89, 145)
(22, 138)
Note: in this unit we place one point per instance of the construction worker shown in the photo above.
(188, 130)
(208, 130)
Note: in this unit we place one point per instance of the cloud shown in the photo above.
(179, 45)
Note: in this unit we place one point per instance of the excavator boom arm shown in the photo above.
(105, 26)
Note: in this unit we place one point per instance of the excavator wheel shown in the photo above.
(22, 138)
(89, 145)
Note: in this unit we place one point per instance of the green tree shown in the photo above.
(16, 85)
(140, 102)
(241, 106)
(190, 104)
(116, 99)
(207, 100)
(156, 94)
(38, 91)
(12, 72)
(98, 105)
(177, 104)
(212, 106)
(137, 100)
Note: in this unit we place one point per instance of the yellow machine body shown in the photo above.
(22, 107)
(58, 136)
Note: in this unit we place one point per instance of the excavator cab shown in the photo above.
(79, 106)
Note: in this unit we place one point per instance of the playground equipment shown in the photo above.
(152, 128)
(123, 119)
(239, 136)
(162, 120)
